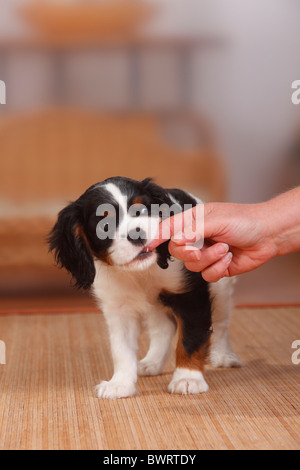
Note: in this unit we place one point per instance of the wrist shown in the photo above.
(282, 219)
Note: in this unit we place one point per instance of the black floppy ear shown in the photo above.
(159, 196)
(70, 248)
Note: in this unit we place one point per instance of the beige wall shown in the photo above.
(244, 85)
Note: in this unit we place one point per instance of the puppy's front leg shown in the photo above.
(193, 312)
(221, 353)
(123, 329)
(161, 327)
(190, 358)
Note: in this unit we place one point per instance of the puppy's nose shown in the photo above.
(137, 236)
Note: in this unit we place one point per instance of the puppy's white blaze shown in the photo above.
(122, 201)
(122, 251)
(118, 196)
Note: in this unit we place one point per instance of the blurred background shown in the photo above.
(195, 93)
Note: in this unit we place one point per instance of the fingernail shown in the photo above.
(190, 248)
(192, 252)
(195, 255)
(222, 249)
(227, 258)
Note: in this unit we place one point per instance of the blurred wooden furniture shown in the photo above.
(133, 43)
(86, 19)
(53, 156)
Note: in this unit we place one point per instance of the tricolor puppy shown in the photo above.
(101, 239)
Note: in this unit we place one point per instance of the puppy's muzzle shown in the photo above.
(137, 237)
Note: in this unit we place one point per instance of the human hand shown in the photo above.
(238, 238)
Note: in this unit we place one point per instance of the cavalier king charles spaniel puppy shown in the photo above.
(101, 239)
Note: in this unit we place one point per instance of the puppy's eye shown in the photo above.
(137, 210)
(106, 228)
(144, 211)
(105, 225)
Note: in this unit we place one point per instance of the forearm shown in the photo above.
(239, 237)
(283, 219)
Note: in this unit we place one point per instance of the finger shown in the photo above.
(218, 270)
(166, 230)
(193, 227)
(203, 258)
(185, 227)
(185, 252)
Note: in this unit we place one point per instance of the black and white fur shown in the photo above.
(132, 287)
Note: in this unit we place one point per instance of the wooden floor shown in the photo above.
(54, 361)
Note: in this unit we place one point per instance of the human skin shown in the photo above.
(238, 237)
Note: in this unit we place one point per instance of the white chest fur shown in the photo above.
(114, 286)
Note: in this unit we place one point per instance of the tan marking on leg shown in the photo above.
(195, 361)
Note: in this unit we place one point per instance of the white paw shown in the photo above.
(114, 389)
(185, 382)
(224, 359)
(149, 368)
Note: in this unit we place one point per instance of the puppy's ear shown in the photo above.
(159, 196)
(70, 247)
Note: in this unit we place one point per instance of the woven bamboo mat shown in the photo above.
(54, 361)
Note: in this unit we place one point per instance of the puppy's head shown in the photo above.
(112, 223)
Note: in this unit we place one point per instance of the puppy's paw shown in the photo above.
(224, 359)
(147, 368)
(115, 389)
(185, 382)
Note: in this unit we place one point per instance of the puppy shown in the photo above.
(101, 239)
